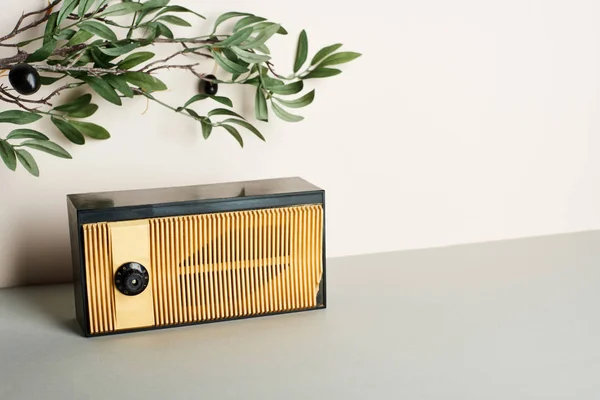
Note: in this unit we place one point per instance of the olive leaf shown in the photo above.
(47, 147)
(340, 58)
(144, 81)
(119, 83)
(7, 153)
(81, 36)
(135, 59)
(67, 7)
(234, 132)
(120, 9)
(172, 19)
(301, 51)
(249, 20)
(299, 102)
(103, 89)
(26, 134)
(246, 125)
(223, 111)
(28, 162)
(322, 72)
(18, 117)
(223, 100)
(92, 130)
(261, 110)
(226, 16)
(284, 115)
(84, 6)
(99, 29)
(324, 52)
(227, 64)
(287, 89)
(206, 127)
(68, 130)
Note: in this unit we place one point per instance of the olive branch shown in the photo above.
(86, 44)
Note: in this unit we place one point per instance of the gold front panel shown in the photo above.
(216, 266)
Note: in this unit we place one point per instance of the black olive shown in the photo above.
(24, 79)
(210, 88)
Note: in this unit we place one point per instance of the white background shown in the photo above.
(464, 121)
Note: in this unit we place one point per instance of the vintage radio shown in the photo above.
(166, 257)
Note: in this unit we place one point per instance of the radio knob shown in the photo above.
(131, 278)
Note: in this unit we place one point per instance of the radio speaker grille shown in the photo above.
(216, 266)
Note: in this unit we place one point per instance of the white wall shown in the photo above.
(464, 121)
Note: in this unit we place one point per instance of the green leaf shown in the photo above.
(47, 147)
(67, 7)
(290, 88)
(300, 102)
(92, 130)
(75, 105)
(223, 111)
(226, 16)
(65, 34)
(67, 129)
(244, 22)
(193, 114)
(85, 112)
(135, 59)
(50, 27)
(26, 134)
(233, 57)
(28, 162)
(98, 29)
(206, 127)
(263, 49)
(43, 52)
(324, 52)
(264, 35)
(236, 38)
(144, 81)
(103, 89)
(18, 117)
(80, 37)
(228, 65)
(119, 50)
(153, 4)
(121, 9)
(322, 72)
(301, 51)
(101, 60)
(245, 125)
(250, 57)
(49, 80)
(178, 9)
(172, 19)
(84, 6)
(340, 58)
(7, 153)
(260, 105)
(234, 132)
(198, 97)
(284, 115)
(119, 83)
(164, 30)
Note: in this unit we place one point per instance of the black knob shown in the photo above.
(131, 278)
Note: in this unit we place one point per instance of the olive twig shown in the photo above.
(18, 29)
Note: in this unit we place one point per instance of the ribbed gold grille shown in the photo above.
(225, 265)
(100, 293)
(216, 266)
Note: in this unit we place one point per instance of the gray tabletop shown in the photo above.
(506, 320)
